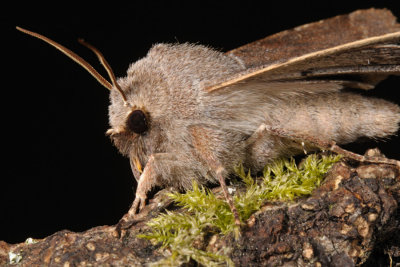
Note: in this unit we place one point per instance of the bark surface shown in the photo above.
(353, 218)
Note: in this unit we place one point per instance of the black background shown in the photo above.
(59, 170)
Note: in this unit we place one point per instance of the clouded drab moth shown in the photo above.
(187, 112)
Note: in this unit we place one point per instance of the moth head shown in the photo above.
(128, 129)
(136, 122)
(132, 121)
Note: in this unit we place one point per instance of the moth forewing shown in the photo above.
(338, 60)
(316, 36)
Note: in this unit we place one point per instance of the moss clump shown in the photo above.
(204, 214)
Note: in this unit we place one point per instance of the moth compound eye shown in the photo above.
(137, 122)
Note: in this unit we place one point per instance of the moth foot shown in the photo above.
(123, 224)
(130, 218)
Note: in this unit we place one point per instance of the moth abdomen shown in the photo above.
(341, 117)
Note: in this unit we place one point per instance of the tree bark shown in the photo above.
(352, 219)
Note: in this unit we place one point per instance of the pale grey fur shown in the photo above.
(168, 85)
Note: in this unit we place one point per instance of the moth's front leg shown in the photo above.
(149, 178)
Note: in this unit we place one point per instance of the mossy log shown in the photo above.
(353, 218)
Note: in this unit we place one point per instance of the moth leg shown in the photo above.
(201, 141)
(330, 145)
(219, 172)
(147, 180)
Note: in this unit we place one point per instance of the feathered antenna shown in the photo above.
(83, 62)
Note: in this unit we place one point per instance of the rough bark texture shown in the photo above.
(352, 219)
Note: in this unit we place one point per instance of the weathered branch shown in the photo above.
(351, 219)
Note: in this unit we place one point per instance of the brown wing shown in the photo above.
(354, 50)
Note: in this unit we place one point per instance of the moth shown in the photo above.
(187, 112)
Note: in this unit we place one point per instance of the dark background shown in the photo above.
(59, 170)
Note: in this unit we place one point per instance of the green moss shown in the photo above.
(204, 214)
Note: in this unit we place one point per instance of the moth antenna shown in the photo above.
(83, 62)
(106, 66)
